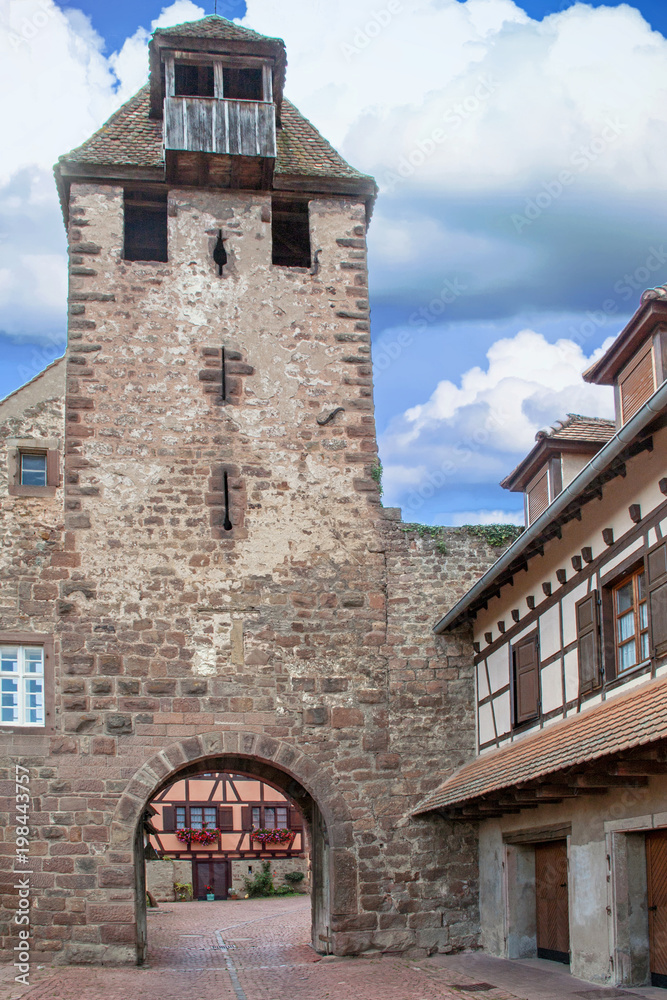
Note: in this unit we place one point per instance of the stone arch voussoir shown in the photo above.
(315, 778)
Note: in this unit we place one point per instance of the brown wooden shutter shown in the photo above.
(588, 642)
(168, 819)
(295, 819)
(246, 818)
(538, 498)
(52, 470)
(225, 818)
(526, 679)
(636, 382)
(656, 566)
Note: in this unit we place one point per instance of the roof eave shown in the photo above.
(626, 436)
(517, 480)
(604, 371)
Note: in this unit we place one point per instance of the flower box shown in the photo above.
(271, 837)
(204, 837)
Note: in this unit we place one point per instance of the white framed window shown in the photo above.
(22, 686)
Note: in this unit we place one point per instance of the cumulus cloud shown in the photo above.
(470, 433)
(63, 88)
(458, 518)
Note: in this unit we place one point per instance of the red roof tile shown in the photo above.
(131, 138)
(619, 724)
(578, 428)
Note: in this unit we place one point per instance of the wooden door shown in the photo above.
(553, 919)
(213, 873)
(656, 871)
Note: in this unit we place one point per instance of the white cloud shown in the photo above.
(470, 433)
(510, 97)
(59, 88)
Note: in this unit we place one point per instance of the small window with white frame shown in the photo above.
(22, 691)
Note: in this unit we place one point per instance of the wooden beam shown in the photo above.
(629, 768)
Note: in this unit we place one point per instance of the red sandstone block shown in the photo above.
(342, 718)
(117, 933)
(106, 913)
(103, 745)
(96, 834)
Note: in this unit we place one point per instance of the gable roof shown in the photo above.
(132, 139)
(574, 434)
(215, 27)
(597, 430)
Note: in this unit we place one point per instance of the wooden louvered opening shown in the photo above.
(538, 496)
(552, 904)
(656, 872)
(636, 382)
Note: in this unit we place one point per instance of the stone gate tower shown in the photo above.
(211, 577)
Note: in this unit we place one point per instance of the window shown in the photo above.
(526, 677)
(33, 469)
(291, 233)
(145, 226)
(631, 621)
(270, 817)
(33, 466)
(197, 818)
(22, 686)
(242, 84)
(194, 80)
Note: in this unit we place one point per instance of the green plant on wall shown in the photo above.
(429, 531)
(376, 474)
(261, 884)
(495, 535)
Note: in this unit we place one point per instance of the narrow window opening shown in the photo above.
(33, 469)
(145, 226)
(192, 80)
(291, 233)
(223, 381)
(242, 84)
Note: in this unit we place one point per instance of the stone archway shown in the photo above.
(334, 864)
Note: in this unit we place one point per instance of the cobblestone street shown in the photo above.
(258, 950)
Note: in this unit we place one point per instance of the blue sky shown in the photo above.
(519, 148)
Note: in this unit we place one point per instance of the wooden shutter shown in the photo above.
(656, 566)
(526, 679)
(295, 819)
(168, 819)
(636, 382)
(246, 818)
(538, 497)
(225, 818)
(588, 642)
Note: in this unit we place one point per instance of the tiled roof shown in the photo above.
(577, 428)
(214, 26)
(619, 724)
(131, 138)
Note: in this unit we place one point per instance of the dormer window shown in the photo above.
(194, 80)
(636, 382)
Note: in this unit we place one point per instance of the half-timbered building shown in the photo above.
(226, 825)
(569, 787)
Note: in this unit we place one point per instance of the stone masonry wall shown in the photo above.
(302, 635)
